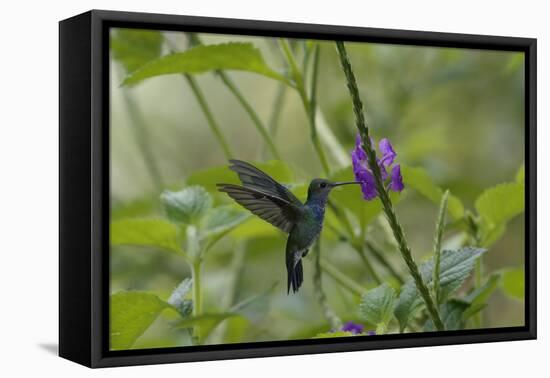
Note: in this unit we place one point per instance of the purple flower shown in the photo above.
(352, 327)
(363, 172)
(371, 333)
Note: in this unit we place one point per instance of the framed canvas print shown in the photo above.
(233, 188)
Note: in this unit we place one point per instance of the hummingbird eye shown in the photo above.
(323, 185)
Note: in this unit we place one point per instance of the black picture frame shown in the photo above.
(84, 187)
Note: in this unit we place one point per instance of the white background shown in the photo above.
(29, 187)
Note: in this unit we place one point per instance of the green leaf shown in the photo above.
(499, 204)
(513, 283)
(420, 180)
(408, 303)
(452, 315)
(227, 56)
(520, 176)
(377, 305)
(330, 335)
(221, 220)
(478, 298)
(146, 206)
(187, 206)
(132, 312)
(208, 178)
(456, 266)
(178, 298)
(206, 322)
(491, 235)
(134, 47)
(149, 232)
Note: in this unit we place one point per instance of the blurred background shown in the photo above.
(459, 113)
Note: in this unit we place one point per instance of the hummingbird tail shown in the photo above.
(295, 276)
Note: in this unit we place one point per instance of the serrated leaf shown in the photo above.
(478, 298)
(420, 180)
(149, 232)
(456, 266)
(408, 304)
(131, 313)
(452, 316)
(134, 47)
(499, 204)
(187, 206)
(178, 297)
(222, 219)
(513, 283)
(378, 304)
(227, 56)
(208, 178)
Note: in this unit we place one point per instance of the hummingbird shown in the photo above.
(274, 203)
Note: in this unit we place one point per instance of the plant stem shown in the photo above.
(306, 57)
(351, 238)
(142, 139)
(473, 230)
(230, 298)
(374, 250)
(382, 191)
(194, 40)
(197, 300)
(278, 103)
(209, 116)
(310, 105)
(329, 314)
(439, 228)
(361, 251)
(339, 153)
(313, 111)
(194, 253)
(342, 218)
(251, 113)
(341, 278)
(478, 277)
(383, 261)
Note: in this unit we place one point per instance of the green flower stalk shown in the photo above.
(209, 116)
(194, 40)
(382, 191)
(139, 129)
(310, 104)
(440, 227)
(333, 319)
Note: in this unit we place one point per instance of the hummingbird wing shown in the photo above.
(254, 178)
(276, 210)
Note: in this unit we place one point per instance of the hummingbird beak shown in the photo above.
(345, 183)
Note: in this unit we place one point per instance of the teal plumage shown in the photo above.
(274, 203)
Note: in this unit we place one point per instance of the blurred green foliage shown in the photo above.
(454, 116)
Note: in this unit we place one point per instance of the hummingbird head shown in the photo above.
(320, 188)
